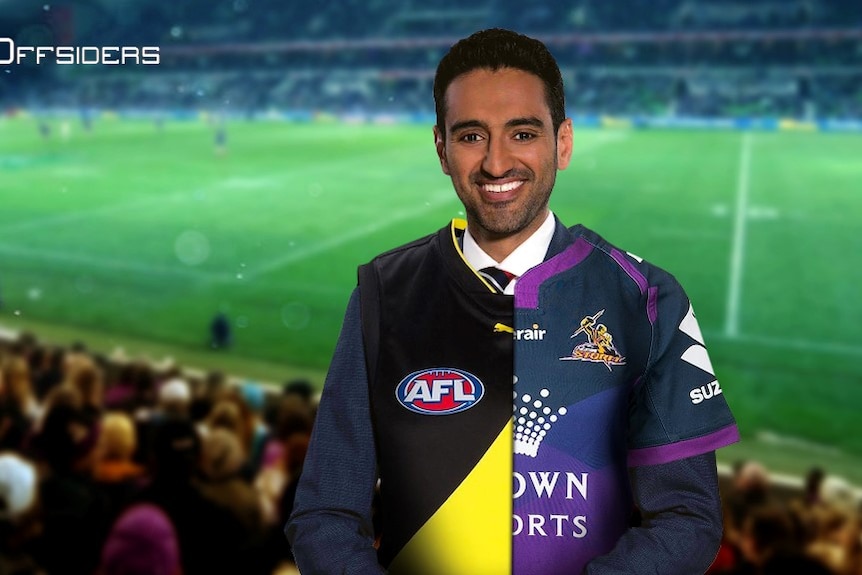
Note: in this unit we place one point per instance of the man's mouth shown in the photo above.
(502, 188)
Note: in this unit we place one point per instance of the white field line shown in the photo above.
(687, 234)
(820, 346)
(734, 290)
(79, 215)
(773, 438)
(111, 264)
(603, 140)
(233, 184)
(230, 184)
(831, 347)
(115, 264)
(352, 235)
(238, 184)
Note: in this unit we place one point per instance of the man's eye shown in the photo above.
(524, 136)
(473, 137)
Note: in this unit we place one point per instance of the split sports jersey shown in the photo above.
(601, 360)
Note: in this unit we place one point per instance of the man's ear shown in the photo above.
(440, 145)
(564, 144)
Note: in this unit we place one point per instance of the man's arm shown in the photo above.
(330, 529)
(681, 521)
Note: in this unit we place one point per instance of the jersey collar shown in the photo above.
(527, 255)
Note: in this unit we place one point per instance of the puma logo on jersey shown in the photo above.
(704, 392)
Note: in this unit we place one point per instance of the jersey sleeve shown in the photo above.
(330, 528)
(678, 408)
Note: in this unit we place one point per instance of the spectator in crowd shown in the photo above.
(141, 542)
(20, 522)
(175, 452)
(174, 400)
(74, 511)
(114, 470)
(813, 496)
(225, 414)
(223, 485)
(770, 544)
(18, 405)
(253, 396)
(750, 490)
(46, 367)
(283, 456)
(301, 388)
(213, 387)
(84, 374)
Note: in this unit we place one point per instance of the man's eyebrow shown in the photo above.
(528, 121)
(463, 125)
(513, 123)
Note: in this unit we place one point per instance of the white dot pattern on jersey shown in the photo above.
(534, 422)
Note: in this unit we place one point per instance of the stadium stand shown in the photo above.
(670, 58)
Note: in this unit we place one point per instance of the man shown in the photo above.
(613, 468)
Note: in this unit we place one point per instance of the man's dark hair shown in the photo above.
(494, 49)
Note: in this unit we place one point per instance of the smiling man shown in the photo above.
(502, 149)
(523, 392)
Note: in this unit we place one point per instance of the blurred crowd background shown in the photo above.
(111, 465)
(794, 58)
(115, 466)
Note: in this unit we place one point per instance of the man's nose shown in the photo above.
(498, 159)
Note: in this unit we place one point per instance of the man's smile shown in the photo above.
(504, 187)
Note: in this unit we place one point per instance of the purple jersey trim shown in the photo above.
(682, 449)
(630, 269)
(652, 304)
(527, 288)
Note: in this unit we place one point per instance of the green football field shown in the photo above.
(135, 236)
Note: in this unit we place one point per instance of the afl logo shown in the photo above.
(439, 391)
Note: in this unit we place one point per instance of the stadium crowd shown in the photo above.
(122, 467)
(117, 466)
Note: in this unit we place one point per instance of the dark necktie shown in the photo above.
(498, 278)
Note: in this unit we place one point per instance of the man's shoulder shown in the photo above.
(410, 252)
(642, 271)
(417, 244)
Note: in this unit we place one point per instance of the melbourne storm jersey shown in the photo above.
(482, 477)
(611, 372)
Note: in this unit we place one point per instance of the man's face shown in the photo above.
(501, 153)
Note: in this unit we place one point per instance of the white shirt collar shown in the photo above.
(529, 254)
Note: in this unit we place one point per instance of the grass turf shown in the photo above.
(141, 234)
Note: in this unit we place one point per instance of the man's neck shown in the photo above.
(500, 246)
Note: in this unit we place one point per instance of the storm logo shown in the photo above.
(439, 391)
(599, 347)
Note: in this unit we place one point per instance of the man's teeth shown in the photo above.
(498, 188)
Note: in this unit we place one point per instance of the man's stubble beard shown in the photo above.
(495, 219)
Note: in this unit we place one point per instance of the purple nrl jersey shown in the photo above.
(611, 372)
